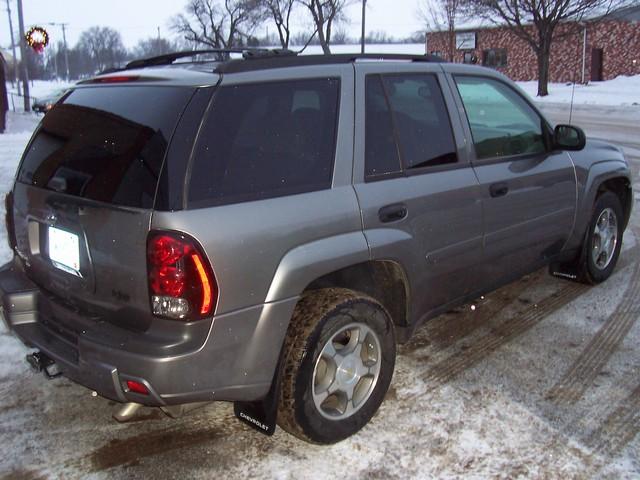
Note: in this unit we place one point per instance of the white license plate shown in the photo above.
(64, 250)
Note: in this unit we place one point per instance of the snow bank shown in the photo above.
(621, 91)
(20, 126)
(37, 89)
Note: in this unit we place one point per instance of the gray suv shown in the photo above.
(265, 230)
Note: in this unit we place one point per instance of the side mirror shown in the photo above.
(568, 137)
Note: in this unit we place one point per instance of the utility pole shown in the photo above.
(64, 42)
(66, 50)
(23, 57)
(364, 10)
(13, 50)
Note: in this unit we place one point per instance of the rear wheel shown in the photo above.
(339, 360)
(604, 239)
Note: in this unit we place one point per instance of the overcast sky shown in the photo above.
(138, 19)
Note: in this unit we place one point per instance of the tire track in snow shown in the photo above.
(580, 376)
(619, 428)
(510, 329)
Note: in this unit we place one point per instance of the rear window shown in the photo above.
(105, 143)
(266, 140)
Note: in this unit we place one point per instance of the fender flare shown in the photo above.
(305, 263)
(596, 175)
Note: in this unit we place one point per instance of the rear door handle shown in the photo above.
(499, 189)
(392, 213)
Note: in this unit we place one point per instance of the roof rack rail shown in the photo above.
(223, 55)
(260, 62)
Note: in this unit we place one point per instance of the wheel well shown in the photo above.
(383, 280)
(622, 188)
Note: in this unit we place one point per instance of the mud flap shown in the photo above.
(572, 269)
(568, 271)
(262, 414)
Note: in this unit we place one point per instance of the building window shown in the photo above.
(436, 53)
(469, 57)
(495, 57)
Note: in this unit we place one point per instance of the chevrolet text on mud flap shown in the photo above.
(266, 229)
(254, 421)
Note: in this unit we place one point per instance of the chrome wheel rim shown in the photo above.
(605, 239)
(346, 371)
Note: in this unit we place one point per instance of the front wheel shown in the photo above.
(604, 238)
(339, 360)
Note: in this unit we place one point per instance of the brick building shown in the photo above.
(595, 49)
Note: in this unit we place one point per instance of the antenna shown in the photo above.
(573, 91)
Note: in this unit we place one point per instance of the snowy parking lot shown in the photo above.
(536, 380)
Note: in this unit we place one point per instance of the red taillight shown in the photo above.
(137, 387)
(181, 281)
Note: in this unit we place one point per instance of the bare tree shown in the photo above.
(152, 47)
(218, 23)
(104, 47)
(444, 15)
(325, 13)
(279, 11)
(536, 21)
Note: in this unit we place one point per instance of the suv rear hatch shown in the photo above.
(84, 195)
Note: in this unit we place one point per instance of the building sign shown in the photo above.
(466, 41)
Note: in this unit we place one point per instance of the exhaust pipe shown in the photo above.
(42, 363)
(127, 412)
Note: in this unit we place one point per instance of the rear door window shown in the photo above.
(421, 119)
(406, 118)
(105, 143)
(266, 140)
(381, 150)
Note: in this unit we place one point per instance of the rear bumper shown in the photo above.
(237, 360)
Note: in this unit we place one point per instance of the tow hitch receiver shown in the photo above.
(41, 363)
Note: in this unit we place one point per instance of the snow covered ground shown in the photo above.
(37, 89)
(537, 380)
(20, 126)
(620, 91)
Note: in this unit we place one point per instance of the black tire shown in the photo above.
(592, 273)
(318, 316)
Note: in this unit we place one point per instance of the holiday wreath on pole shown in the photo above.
(37, 38)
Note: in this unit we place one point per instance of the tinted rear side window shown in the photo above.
(381, 150)
(421, 120)
(406, 118)
(105, 143)
(266, 140)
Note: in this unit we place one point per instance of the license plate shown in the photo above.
(64, 250)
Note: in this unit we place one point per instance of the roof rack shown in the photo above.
(264, 58)
(222, 53)
(262, 62)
